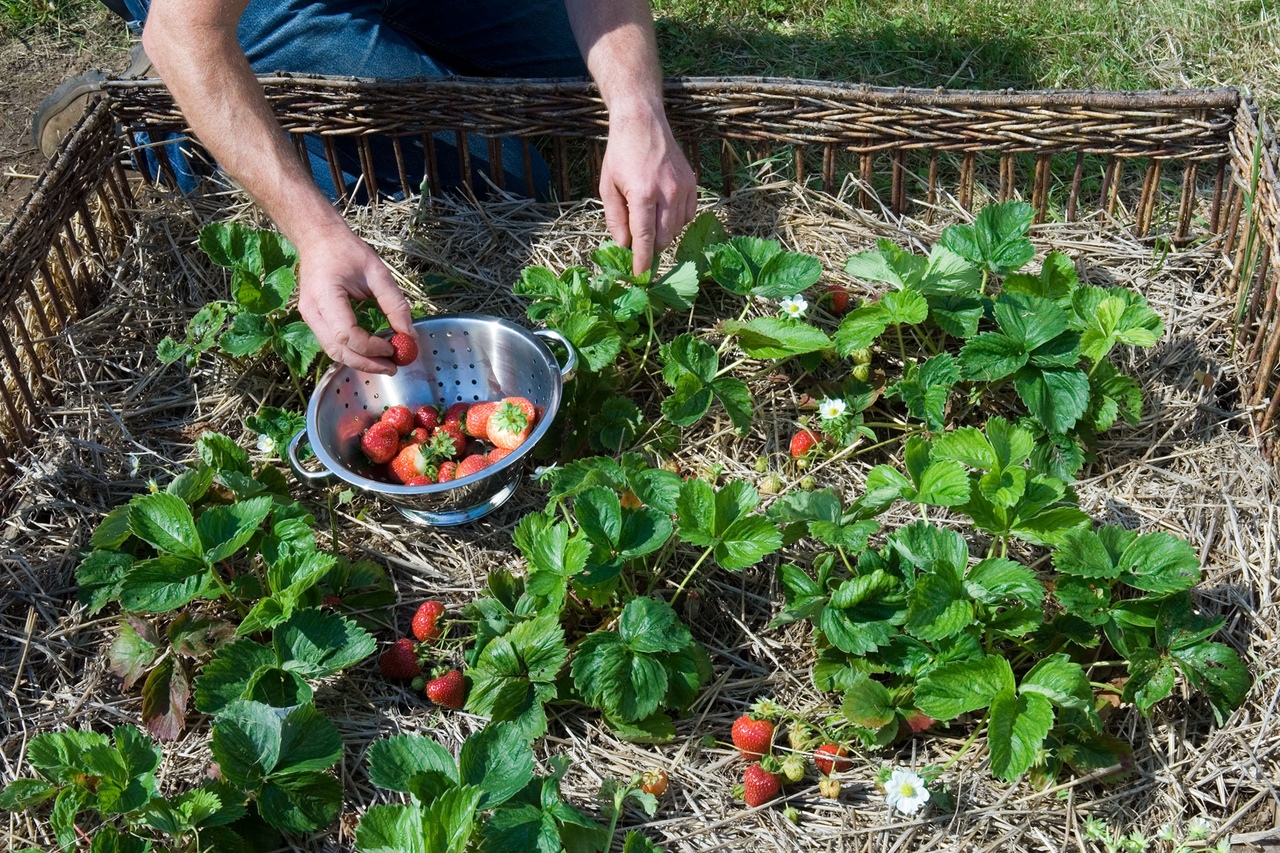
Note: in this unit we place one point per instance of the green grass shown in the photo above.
(22, 16)
(1114, 44)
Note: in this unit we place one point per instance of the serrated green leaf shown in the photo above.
(702, 233)
(860, 328)
(391, 829)
(1016, 731)
(786, 274)
(1152, 677)
(1084, 599)
(223, 530)
(997, 239)
(1055, 396)
(498, 761)
(164, 521)
(226, 676)
(1216, 671)
(867, 703)
(315, 643)
(394, 761)
(991, 356)
(958, 316)
(937, 606)
(648, 625)
(863, 613)
(301, 803)
(1159, 562)
(1063, 682)
(248, 334)
(162, 584)
(953, 689)
(777, 337)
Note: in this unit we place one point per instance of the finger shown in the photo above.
(391, 300)
(643, 211)
(357, 347)
(615, 212)
(667, 224)
(342, 355)
(691, 204)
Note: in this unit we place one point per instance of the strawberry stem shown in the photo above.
(690, 575)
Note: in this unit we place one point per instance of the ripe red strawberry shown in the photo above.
(424, 480)
(752, 737)
(380, 442)
(829, 757)
(473, 463)
(401, 660)
(400, 417)
(420, 435)
(804, 441)
(530, 411)
(449, 690)
(839, 298)
(448, 440)
(477, 421)
(497, 455)
(509, 426)
(457, 413)
(414, 461)
(426, 622)
(446, 473)
(406, 349)
(654, 782)
(427, 417)
(759, 786)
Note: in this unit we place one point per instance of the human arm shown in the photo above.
(193, 45)
(646, 185)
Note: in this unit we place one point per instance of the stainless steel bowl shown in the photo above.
(461, 358)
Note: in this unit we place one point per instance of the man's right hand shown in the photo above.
(336, 266)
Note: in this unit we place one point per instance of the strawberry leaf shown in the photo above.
(394, 761)
(786, 274)
(953, 689)
(1152, 677)
(162, 584)
(867, 702)
(925, 388)
(1216, 671)
(991, 356)
(721, 521)
(227, 675)
(937, 606)
(131, 654)
(164, 700)
(100, 577)
(703, 232)
(1063, 682)
(392, 829)
(1016, 731)
(777, 337)
(958, 316)
(224, 530)
(863, 612)
(1055, 396)
(1160, 563)
(498, 762)
(164, 521)
(315, 644)
(996, 241)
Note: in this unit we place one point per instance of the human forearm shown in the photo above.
(646, 184)
(194, 47)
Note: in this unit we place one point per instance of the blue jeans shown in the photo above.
(401, 39)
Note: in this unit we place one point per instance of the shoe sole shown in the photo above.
(58, 103)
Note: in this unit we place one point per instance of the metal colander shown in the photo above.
(461, 358)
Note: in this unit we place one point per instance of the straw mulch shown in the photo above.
(1191, 468)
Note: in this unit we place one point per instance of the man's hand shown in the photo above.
(336, 266)
(646, 184)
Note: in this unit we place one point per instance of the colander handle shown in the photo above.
(571, 357)
(296, 464)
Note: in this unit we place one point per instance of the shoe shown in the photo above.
(63, 108)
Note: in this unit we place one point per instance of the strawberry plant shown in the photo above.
(263, 280)
(488, 798)
(85, 776)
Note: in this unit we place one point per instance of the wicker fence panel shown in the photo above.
(55, 251)
(1253, 244)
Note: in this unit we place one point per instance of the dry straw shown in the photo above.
(1191, 467)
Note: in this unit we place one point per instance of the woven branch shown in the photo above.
(1172, 125)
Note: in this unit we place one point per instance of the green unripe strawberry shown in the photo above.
(861, 372)
(793, 767)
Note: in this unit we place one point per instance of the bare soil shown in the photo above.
(31, 66)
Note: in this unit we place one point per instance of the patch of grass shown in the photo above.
(1113, 44)
(18, 16)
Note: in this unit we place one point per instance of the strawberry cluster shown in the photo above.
(753, 736)
(423, 447)
(403, 660)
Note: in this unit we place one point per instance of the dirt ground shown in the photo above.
(31, 67)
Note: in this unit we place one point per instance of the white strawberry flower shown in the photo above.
(830, 409)
(266, 445)
(905, 791)
(793, 306)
